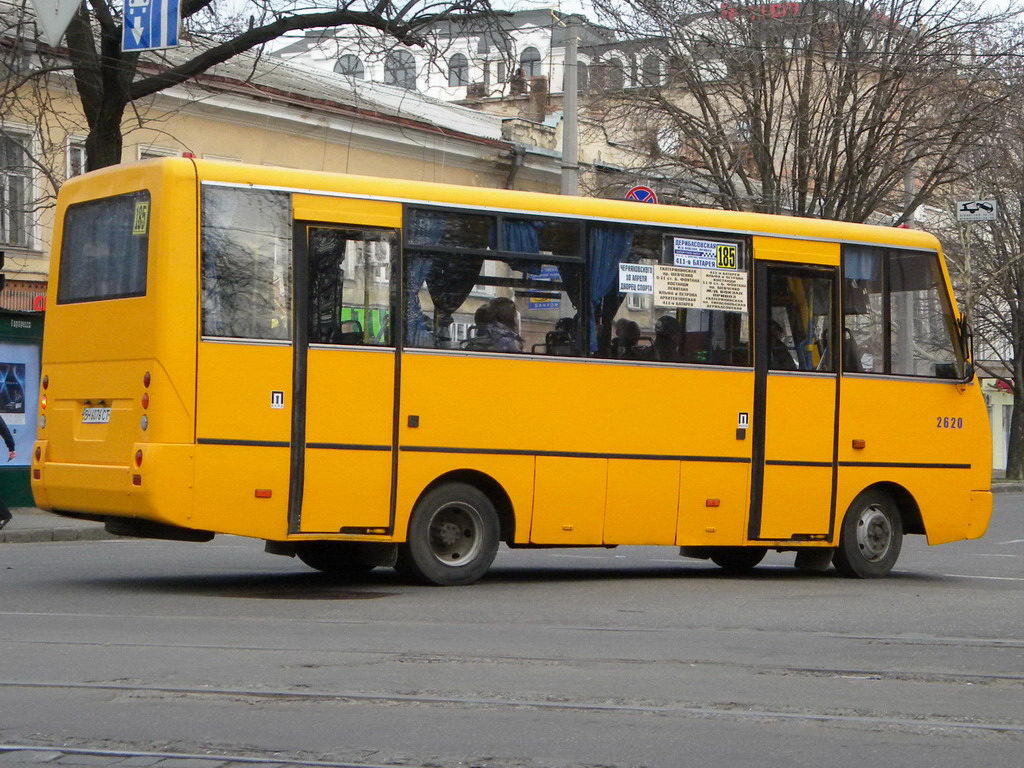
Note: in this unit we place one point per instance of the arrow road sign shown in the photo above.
(976, 210)
(53, 17)
(150, 25)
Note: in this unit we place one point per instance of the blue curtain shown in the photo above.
(523, 236)
(608, 245)
(862, 263)
(425, 228)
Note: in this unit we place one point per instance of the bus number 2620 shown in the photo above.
(949, 422)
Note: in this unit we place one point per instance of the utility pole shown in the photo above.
(570, 114)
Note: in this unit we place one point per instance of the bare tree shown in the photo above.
(820, 108)
(988, 265)
(108, 80)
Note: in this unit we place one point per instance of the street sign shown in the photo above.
(642, 195)
(53, 17)
(976, 210)
(150, 25)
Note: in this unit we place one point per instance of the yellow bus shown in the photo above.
(366, 371)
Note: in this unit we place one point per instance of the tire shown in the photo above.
(738, 559)
(453, 537)
(870, 538)
(335, 558)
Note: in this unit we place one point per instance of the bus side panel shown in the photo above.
(244, 435)
(418, 470)
(586, 412)
(701, 485)
(918, 423)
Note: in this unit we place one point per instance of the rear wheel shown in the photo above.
(871, 537)
(453, 537)
(335, 558)
(738, 559)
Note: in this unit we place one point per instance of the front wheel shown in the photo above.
(871, 537)
(738, 559)
(453, 537)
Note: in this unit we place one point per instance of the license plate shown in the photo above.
(95, 415)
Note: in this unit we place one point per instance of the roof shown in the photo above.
(339, 184)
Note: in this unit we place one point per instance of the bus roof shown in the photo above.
(402, 190)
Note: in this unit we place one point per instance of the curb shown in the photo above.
(36, 535)
(1007, 487)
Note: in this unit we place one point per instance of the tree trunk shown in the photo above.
(1015, 449)
(104, 143)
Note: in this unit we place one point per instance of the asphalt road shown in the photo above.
(140, 653)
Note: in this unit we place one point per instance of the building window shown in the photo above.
(650, 72)
(76, 158)
(15, 190)
(400, 70)
(582, 77)
(151, 152)
(350, 65)
(458, 70)
(529, 63)
(615, 75)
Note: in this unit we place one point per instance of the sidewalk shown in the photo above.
(33, 525)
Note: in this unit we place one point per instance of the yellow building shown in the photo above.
(253, 111)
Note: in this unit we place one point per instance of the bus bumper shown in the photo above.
(979, 514)
(160, 489)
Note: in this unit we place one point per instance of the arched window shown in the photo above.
(529, 62)
(615, 75)
(582, 77)
(350, 65)
(650, 72)
(400, 70)
(458, 70)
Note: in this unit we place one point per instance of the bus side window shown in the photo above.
(247, 260)
(921, 318)
(863, 327)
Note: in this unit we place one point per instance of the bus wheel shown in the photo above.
(737, 559)
(453, 537)
(871, 537)
(335, 558)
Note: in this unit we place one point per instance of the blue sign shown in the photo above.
(150, 25)
(551, 273)
(642, 195)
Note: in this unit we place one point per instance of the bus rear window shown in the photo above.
(104, 247)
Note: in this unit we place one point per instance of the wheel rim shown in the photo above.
(455, 534)
(874, 533)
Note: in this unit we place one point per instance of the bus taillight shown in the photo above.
(145, 399)
(46, 381)
(138, 458)
(146, 379)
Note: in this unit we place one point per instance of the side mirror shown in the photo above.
(966, 348)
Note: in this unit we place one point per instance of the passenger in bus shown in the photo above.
(781, 357)
(503, 331)
(562, 340)
(480, 331)
(627, 337)
(668, 335)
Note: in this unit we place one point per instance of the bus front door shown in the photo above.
(344, 369)
(796, 398)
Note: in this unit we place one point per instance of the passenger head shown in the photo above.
(484, 315)
(668, 327)
(505, 311)
(628, 331)
(566, 325)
